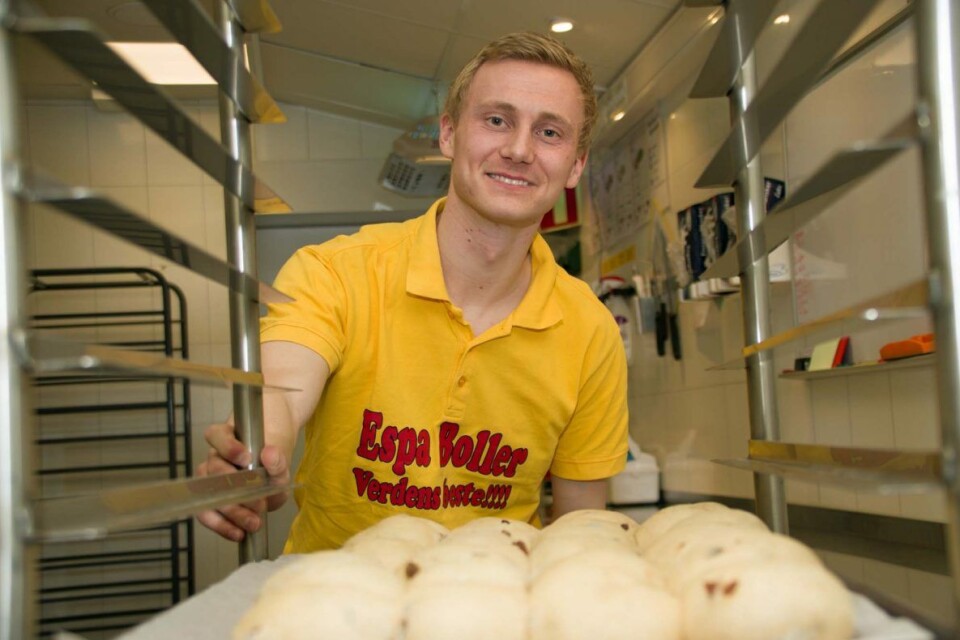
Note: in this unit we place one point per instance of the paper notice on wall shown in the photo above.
(628, 178)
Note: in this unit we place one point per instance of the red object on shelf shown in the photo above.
(913, 346)
(840, 355)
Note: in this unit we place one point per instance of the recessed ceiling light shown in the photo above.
(782, 19)
(618, 116)
(162, 62)
(561, 25)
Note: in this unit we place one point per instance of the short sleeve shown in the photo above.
(317, 316)
(594, 444)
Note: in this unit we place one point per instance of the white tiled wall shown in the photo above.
(316, 161)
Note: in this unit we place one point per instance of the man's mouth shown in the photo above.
(516, 182)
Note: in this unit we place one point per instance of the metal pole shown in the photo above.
(17, 480)
(938, 117)
(244, 309)
(755, 283)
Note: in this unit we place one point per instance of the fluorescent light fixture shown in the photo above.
(561, 25)
(162, 62)
(782, 19)
(618, 115)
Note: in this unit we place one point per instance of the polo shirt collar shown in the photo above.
(537, 310)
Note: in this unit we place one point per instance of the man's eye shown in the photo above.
(551, 133)
(495, 120)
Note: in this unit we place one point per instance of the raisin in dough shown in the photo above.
(513, 531)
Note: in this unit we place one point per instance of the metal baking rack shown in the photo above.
(26, 520)
(933, 127)
(141, 572)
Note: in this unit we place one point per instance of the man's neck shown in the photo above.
(486, 266)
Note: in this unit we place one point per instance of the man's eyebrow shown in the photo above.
(506, 107)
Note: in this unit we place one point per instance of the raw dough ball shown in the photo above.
(610, 566)
(686, 552)
(454, 564)
(719, 547)
(389, 552)
(419, 531)
(626, 523)
(583, 597)
(763, 601)
(321, 612)
(466, 612)
(657, 524)
(552, 549)
(335, 569)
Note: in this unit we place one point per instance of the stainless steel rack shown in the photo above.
(25, 519)
(165, 553)
(934, 126)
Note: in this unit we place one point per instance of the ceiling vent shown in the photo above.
(416, 167)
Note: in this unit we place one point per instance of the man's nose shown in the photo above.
(518, 147)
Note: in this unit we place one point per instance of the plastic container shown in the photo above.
(639, 482)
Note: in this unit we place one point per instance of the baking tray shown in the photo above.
(212, 614)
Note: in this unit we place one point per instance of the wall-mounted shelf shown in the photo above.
(909, 301)
(879, 366)
(905, 303)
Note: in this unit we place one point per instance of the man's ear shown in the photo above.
(447, 128)
(577, 170)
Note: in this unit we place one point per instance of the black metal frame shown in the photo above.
(175, 560)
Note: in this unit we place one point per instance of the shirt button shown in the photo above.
(462, 381)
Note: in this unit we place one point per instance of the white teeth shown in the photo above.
(505, 180)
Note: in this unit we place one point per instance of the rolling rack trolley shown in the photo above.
(730, 70)
(26, 521)
(114, 584)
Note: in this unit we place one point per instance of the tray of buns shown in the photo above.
(690, 572)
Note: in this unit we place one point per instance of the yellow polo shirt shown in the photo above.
(420, 416)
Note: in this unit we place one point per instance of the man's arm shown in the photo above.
(571, 495)
(284, 364)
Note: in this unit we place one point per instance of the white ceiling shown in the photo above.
(386, 61)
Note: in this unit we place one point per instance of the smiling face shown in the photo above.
(514, 146)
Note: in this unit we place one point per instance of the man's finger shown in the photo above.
(241, 516)
(222, 438)
(220, 525)
(274, 461)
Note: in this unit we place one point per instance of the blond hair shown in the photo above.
(531, 47)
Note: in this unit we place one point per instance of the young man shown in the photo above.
(447, 364)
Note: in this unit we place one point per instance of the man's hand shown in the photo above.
(227, 455)
(284, 364)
